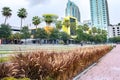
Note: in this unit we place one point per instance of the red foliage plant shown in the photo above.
(42, 65)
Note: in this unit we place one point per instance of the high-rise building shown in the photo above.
(72, 10)
(99, 13)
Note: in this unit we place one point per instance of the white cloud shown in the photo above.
(37, 2)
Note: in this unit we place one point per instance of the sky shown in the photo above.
(40, 7)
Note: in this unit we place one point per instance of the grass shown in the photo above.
(7, 49)
(5, 52)
(4, 59)
(12, 78)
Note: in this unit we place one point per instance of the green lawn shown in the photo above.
(7, 49)
(4, 59)
(6, 52)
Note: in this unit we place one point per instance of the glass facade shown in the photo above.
(99, 13)
(72, 10)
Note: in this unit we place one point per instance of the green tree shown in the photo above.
(25, 33)
(99, 31)
(100, 38)
(104, 32)
(94, 30)
(73, 28)
(41, 33)
(82, 36)
(90, 38)
(5, 32)
(64, 36)
(85, 27)
(6, 11)
(115, 39)
(49, 18)
(59, 25)
(54, 34)
(36, 21)
(79, 33)
(90, 32)
(15, 38)
(66, 22)
(97, 38)
(22, 13)
(80, 27)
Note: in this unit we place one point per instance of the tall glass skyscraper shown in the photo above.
(72, 10)
(99, 13)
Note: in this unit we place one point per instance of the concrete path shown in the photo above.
(107, 69)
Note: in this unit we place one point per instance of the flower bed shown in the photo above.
(44, 65)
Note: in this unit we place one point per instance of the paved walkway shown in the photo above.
(107, 69)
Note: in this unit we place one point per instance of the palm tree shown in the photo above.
(36, 21)
(49, 18)
(6, 11)
(22, 13)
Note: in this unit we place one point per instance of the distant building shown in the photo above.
(71, 29)
(113, 31)
(99, 13)
(72, 10)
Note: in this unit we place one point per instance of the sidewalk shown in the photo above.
(107, 69)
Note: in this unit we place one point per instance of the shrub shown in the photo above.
(44, 65)
(7, 70)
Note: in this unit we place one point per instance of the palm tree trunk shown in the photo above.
(36, 27)
(5, 20)
(21, 23)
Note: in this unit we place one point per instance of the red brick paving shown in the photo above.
(107, 69)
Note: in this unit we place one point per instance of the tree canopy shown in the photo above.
(49, 18)
(22, 13)
(25, 32)
(41, 33)
(6, 11)
(5, 31)
(36, 21)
